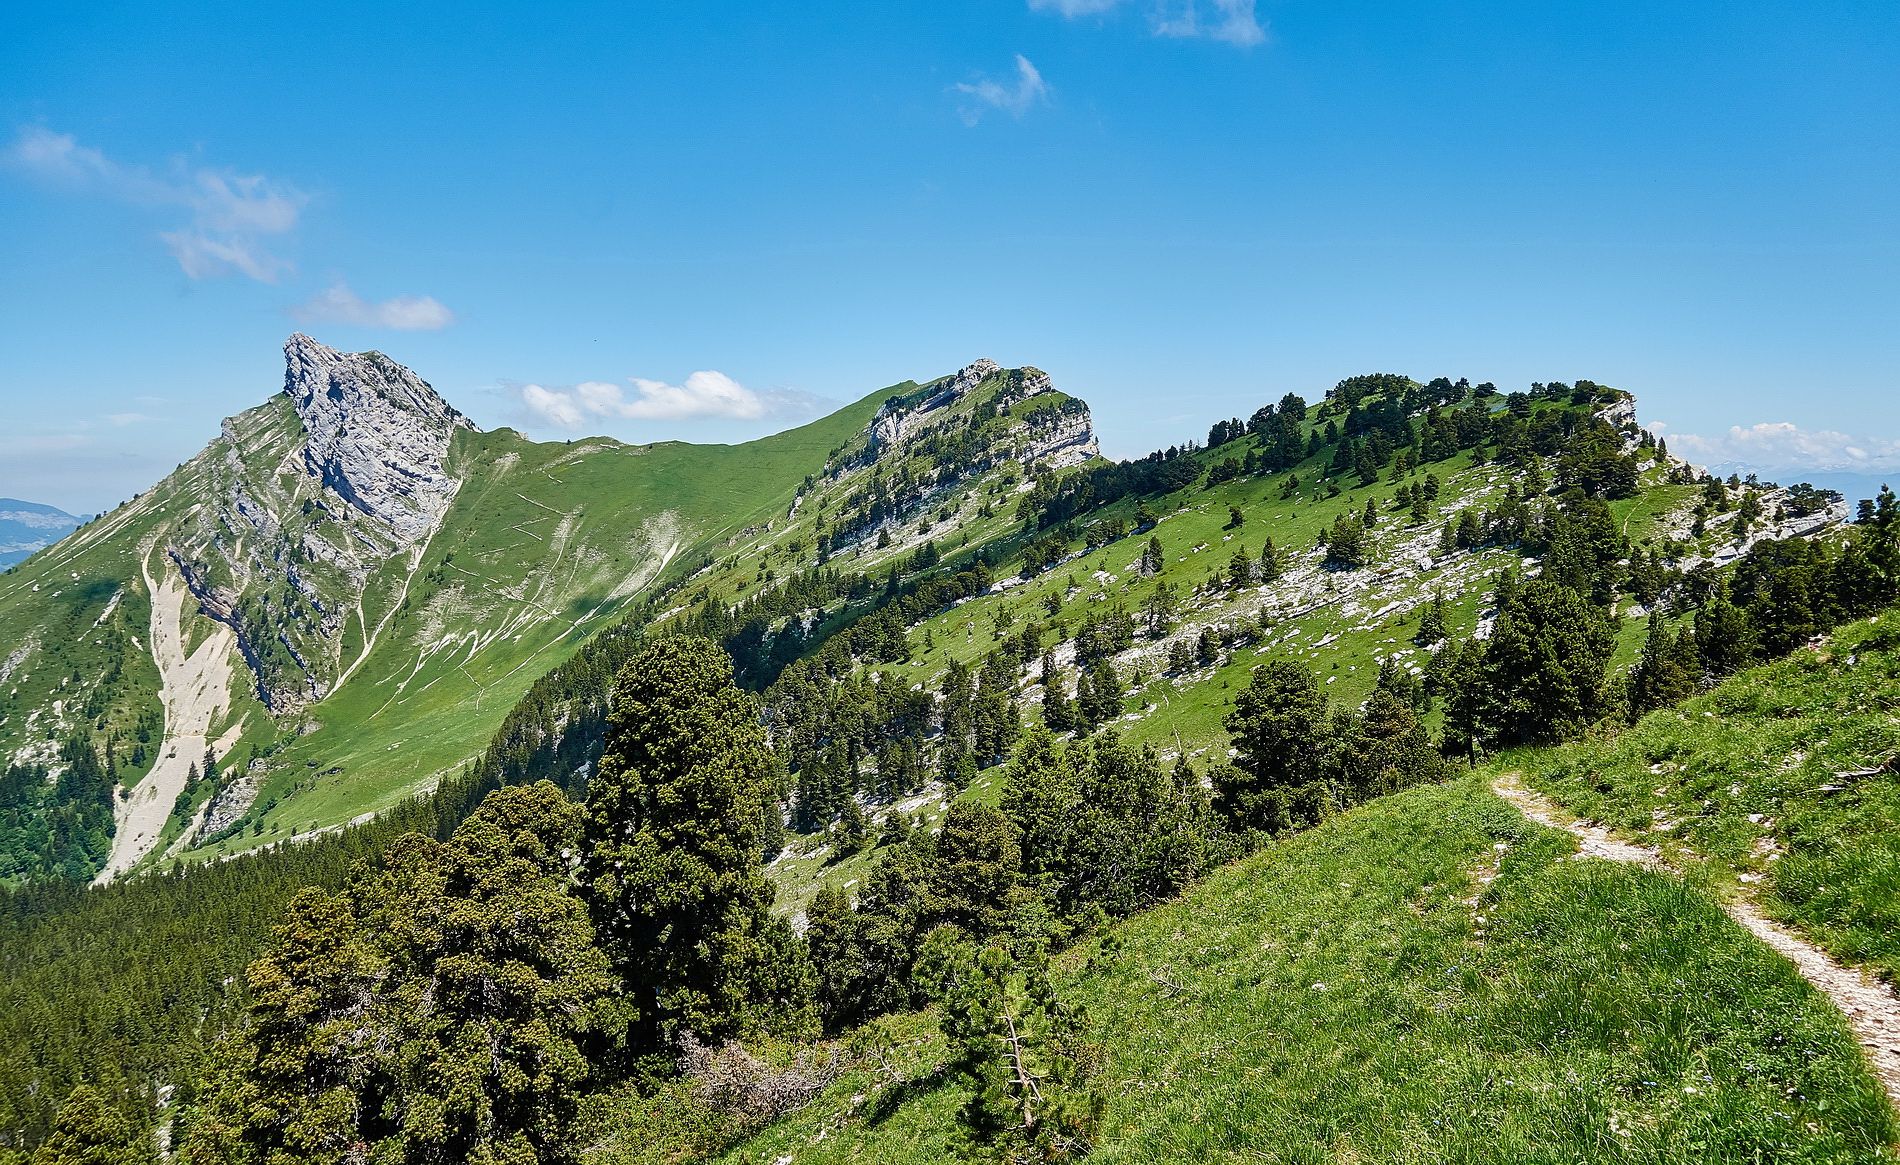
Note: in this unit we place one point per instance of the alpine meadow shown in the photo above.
(919, 782)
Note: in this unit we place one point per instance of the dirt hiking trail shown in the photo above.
(193, 690)
(1871, 1009)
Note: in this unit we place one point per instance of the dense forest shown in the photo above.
(584, 911)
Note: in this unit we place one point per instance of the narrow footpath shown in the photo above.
(1871, 1009)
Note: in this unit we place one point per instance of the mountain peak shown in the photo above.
(378, 434)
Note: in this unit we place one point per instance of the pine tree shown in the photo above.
(975, 870)
(1015, 1044)
(1269, 565)
(833, 935)
(1058, 710)
(1277, 725)
(1545, 663)
(1724, 639)
(1104, 701)
(88, 1131)
(1665, 674)
(1458, 672)
(443, 1007)
(1383, 749)
(671, 863)
(1039, 799)
(1157, 611)
(1240, 570)
(1431, 624)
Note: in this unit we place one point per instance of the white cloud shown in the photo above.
(703, 396)
(1233, 21)
(553, 406)
(1074, 8)
(1780, 445)
(124, 419)
(231, 215)
(340, 305)
(1029, 89)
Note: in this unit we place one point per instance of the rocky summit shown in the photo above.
(375, 433)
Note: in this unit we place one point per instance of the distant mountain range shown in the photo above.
(28, 526)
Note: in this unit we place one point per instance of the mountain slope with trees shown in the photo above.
(944, 759)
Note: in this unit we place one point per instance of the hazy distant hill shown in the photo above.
(28, 526)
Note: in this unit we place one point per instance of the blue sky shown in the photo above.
(703, 220)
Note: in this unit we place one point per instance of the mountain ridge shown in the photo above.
(370, 553)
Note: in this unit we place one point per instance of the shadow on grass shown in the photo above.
(889, 1099)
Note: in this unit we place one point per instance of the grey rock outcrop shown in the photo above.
(303, 501)
(897, 420)
(377, 434)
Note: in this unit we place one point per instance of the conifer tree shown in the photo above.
(833, 936)
(1668, 671)
(1277, 724)
(1016, 1043)
(1039, 799)
(1383, 749)
(975, 870)
(443, 1007)
(1269, 565)
(88, 1131)
(671, 866)
(1545, 663)
(1431, 624)
(1458, 671)
(1723, 637)
(1152, 561)
(1240, 570)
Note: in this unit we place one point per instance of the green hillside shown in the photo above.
(1361, 993)
(542, 545)
(1782, 783)
(1262, 644)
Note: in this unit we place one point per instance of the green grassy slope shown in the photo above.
(1342, 623)
(1359, 994)
(544, 545)
(1765, 781)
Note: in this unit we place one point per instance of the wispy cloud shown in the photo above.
(702, 396)
(1232, 21)
(1014, 100)
(43, 443)
(339, 305)
(1782, 446)
(230, 215)
(124, 419)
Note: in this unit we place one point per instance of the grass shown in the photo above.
(538, 549)
(543, 539)
(1744, 781)
(1340, 1001)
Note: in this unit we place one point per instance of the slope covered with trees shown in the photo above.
(986, 695)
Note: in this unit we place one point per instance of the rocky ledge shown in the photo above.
(377, 434)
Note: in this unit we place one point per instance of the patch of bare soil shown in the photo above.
(193, 689)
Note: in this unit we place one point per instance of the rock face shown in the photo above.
(303, 503)
(377, 435)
